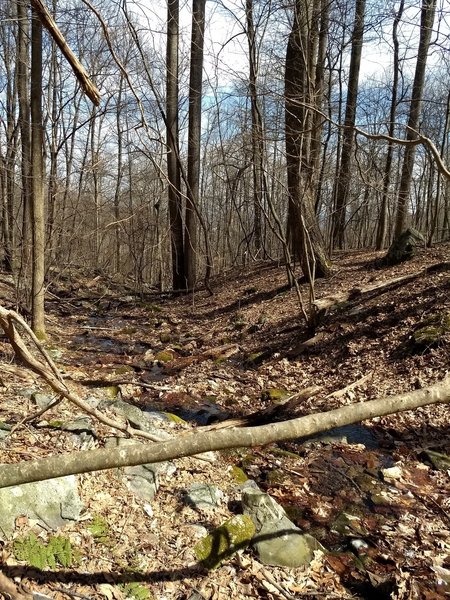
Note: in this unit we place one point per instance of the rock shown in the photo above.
(275, 395)
(431, 331)
(52, 503)
(41, 400)
(438, 460)
(280, 543)
(233, 535)
(55, 353)
(347, 434)
(277, 541)
(203, 496)
(137, 417)
(403, 247)
(392, 472)
(164, 356)
(142, 480)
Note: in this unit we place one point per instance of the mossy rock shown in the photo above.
(248, 460)
(174, 418)
(275, 395)
(165, 337)
(348, 524)
(432, 330)
(403, 247)
(238, 475)
(164, 356)
(233, 535)
(441, 462)
(123, 370)
(111, 391)
(275, 476)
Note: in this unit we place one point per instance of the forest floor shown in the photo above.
(231, 351)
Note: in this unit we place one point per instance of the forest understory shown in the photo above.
(375, 500)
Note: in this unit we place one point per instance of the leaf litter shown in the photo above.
(382, 512)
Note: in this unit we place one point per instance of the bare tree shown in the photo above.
(426, 25)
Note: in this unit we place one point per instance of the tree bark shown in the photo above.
(305, 235)
(37, 183)
(194, 141)
(426, 26)
(173, 151)
(344, 179)
(382, 220)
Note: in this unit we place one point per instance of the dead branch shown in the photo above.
(236, 437)
(80, 73)
(8, 319)
(358, 295)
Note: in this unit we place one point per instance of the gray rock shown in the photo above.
(203, 496)
(83, 430)
(138, 418)
(403, 247)
(277, 540)
(41, 400)
(142, 480)
(52, 503)
(26, 392)
(281, 543)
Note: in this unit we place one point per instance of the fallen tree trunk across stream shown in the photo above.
(197, 442)
(188, 444)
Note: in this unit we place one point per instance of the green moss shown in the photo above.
(438, 460)
(136, 591)
(174, 418)
(275, 476)
(248, 460)
(111, 391)
(432, 329)
(164, 356)
(123, 370)
(56, 424)
(238, 475)
(284, 453)
(255, 358)
(100, 529)
(275, 395)
(165, 338)
(57, 552)
(233, 535)
(128, 330)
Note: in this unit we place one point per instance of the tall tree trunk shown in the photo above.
(343, 183)
(23, 94)
(194, 140)
(426, 25)
(257, 129)
(37, 182)
(305, 235)
(173, 152)
(382, 221)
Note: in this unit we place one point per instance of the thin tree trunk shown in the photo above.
(37, 182)
(343, 183)
(173, 152)
(382, 221)
(194, 141)
(426, 25)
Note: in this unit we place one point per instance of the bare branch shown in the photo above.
(80, 73)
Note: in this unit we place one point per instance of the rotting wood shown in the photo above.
(358, 295)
